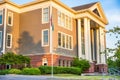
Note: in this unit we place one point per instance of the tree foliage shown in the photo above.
(114, 61)
(14, 59)
(81, 63)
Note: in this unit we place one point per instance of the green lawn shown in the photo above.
(71, 76)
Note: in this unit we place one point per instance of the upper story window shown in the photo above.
(1, 17)
(0, 39)
(9, 40)
(65, 41)
(64, 21)
(45, 15)
(10, 18)
(45, 37)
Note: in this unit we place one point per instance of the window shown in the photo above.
(8, 66)
(45, 15)
(1, 17)
(65, 41)
(59, 39)
(64, 21)
(44, 62)
(59, 17)
(70, 42)
(45, 38)
(9, 40)
(0, 38)
(60, 62)
(69, 23)
(10, 18)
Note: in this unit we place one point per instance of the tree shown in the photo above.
(14, 59)
(114, 61)
(81, 63)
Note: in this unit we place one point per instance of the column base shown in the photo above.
(102, 68)
(91, 69)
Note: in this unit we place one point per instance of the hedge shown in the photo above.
(3, 72)
(31, 71)
(14, 71)
(60, 70)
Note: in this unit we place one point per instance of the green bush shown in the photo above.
(14, 71)
(31, 71)
(3, 72)
(60, 70)
(45, 69)
(81, 63)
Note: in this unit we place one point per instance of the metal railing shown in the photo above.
(114, 71)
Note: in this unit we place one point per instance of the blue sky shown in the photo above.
(111, 9)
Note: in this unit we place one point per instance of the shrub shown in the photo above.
(3, 72)
(14, 71)
(45, 69)
(60, 70)
(31, 71)
(81, 63)
(14, 59)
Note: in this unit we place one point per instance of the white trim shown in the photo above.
(1, 39)
(10, 41)
(11, 15)
(35, 7)
(43, 22)
(4, 39)
(2, 16)
(43, 38)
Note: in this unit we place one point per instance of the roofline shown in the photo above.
(37, 2)
(56, 1)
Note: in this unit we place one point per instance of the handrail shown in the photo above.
(113, 71)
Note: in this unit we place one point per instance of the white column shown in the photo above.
(103, 61)
(79, 39)
(86, 36)
(98, 46)
(93, 47)
(89, 41)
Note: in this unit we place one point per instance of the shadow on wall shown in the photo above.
(27, 45)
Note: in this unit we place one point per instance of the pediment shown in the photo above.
(97, 10)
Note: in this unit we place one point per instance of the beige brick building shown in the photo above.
(78, 32)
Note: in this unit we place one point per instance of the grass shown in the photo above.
(72, 76)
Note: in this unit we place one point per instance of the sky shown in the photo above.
(110, 7)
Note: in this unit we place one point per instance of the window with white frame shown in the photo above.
(45, 37)
(64, 20)
(59, 39)
(9, 40)
(10, 18)
(1, 17)
(45, 15)
(59, 18)
(44, 62)
(0, 39)
(65, 41)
